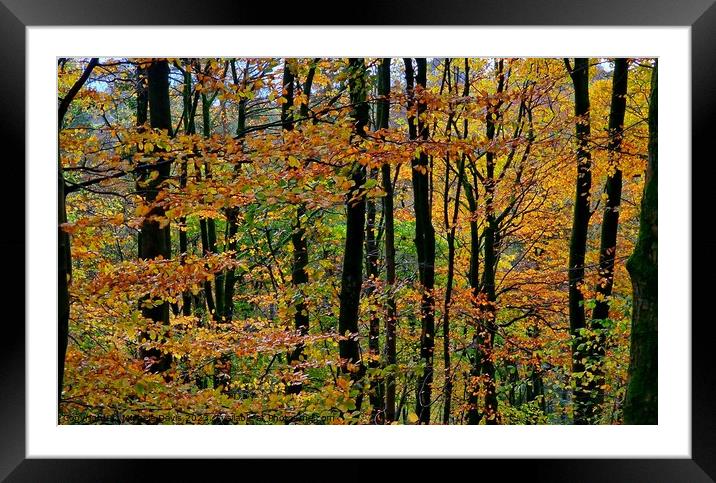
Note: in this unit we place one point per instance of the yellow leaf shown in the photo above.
(141, 210)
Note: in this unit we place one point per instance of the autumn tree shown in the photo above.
(154, 235)
(382, 390)
(352, 275)
(189, 104)
(232, 213)
(609, 229)
(299, 276)
(391, 316)
(641, 405)
(64, 252)
(584, 405)
(215, 300)
(450, 220)
(487, 327)
(416, 82)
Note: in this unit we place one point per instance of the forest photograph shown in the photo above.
(342, 241)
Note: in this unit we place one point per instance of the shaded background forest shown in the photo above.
(445, 241)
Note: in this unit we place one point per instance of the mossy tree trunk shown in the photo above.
(641, 405)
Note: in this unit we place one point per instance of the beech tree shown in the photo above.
(64, 251)
(450, 221)
(424, 234)
(609, 229)
(352, 276)
(154, 237)
(584, 403)
(641, 405)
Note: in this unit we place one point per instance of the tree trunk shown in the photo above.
(391, 315)
(641, 405)
(154, 241)
(232, 214)
(451, 227)
(205, 250)
(371, 247)
(610, 225)
(376, 391)
(471, 195)
(352, 275)
(584, 410)
(535, 388)
(424, 237)
(64, 258)
(183, 178)
(488, 328)
(210, 223)
(141, 90)
(299, 277)
(64, 252)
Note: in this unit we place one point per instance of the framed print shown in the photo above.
(414, 232)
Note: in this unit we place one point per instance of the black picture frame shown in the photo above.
(16, 15)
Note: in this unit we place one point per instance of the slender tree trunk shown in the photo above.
(142, 118)
(232, 214)
(205, 250)
(288, 86)
(610, 225)
(64, 252)
(641, 405)
(583, 406)
(474, 415)
(183, 178)
(535, 389)
(298, 238)
(154, 241)
(447, 387)
(299, 277)
(424, 237)
(206, 102)
(352, 276)
(64, 258)
(471, 195)
(450, 227)
(203, 230)
(371, 246)
(375, 392)
(215, 301)
(488, 299)
(391, 315)
(231, 277)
